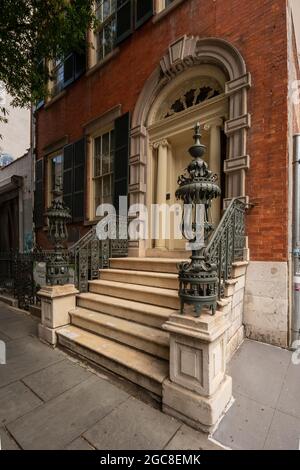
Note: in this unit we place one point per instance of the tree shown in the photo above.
(34, 30)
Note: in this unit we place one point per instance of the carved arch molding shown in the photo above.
(184, 53)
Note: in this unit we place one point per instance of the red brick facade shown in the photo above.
(258, 30)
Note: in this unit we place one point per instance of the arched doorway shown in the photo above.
(198, 80)
(195, 95)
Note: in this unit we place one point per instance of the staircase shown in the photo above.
(119, 316)
(118, 323)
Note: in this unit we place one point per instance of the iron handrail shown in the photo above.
(227, 243)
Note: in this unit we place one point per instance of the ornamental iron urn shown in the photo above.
(58, 262)
(198, 278)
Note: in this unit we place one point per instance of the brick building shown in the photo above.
(121, 123)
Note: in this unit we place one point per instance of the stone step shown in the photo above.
(150, 340)
(160, 265)
(146, 314)
(138, 367)
(150, 295)
(239, 269)
(143, 278)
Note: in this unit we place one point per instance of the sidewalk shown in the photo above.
(266, 411)
(52, 401)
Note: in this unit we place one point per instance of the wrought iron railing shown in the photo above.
(91, 254)
(23, 274)
(227, 243)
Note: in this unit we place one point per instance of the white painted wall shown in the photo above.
(16, 133)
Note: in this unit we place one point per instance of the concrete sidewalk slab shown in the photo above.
(18, 400)
(133, 426)
(260, 370)
(246, 425)
(56, 379)
(189, 439)
(284, 433)
(6, 441)
(289, 400)
(79, 444)
(16, 328)
(21, 365)
(62, 420)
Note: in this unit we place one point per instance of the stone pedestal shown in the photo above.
(57, 301)
(198, 390)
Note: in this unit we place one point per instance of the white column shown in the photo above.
(215, 163)
(161, 187)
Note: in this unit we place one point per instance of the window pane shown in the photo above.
(103, 167)
(105, 37)
(97, 157)
(57, 173)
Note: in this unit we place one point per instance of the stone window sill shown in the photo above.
(102, 62)
(55, 99)
(161, 14)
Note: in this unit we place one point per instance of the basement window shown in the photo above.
(105, 34)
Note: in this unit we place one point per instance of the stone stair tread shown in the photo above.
(160, 265)
(240, 263)
(140, 273)
(129, 304)
(136, 287)
(142, 363)
(145, 332)
(152, 260)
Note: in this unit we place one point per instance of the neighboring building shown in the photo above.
(154, 71)
(15, 134)
(16, 197)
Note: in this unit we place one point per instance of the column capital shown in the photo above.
(217, 122)
(161, 143)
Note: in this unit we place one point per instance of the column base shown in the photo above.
(202, 413)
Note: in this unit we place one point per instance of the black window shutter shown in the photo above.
(69, 69)
(80, 62)
(143, 11)
(79, 180)
(124, 18)
(68, 176)
(39, 194)
(121, 158)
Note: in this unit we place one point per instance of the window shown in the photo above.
(56, 174)
(106, 31)
(66, 70)
(57, 77)
(103, 169)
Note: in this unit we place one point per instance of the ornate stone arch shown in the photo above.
(184, 53)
